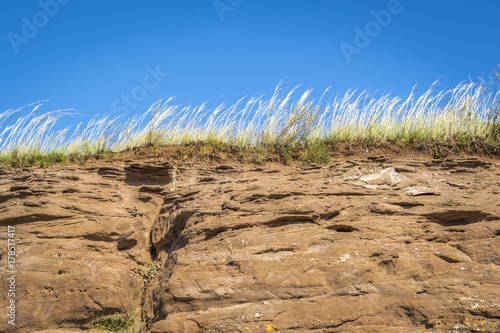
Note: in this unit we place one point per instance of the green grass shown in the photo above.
(287, 155)
(316, 151)
(464, 117)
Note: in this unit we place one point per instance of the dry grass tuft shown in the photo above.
(467, 116)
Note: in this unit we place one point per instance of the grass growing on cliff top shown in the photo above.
(467, 115)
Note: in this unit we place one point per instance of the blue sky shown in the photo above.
(120, 56)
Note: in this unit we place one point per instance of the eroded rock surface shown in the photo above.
(368, 244)
(81, 234)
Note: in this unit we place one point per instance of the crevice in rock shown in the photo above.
(285, 222)
(330, 215)
(24, 219)
(459, 217)
(101, 237)
(126, 244)
(447, 258)
(274, 250)
(152, 249)
(167, 230)
(345, 321)
(7, 196)
(342, 228)
(209, 234)
(150, 173)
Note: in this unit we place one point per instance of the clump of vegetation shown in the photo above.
(316, 151)
(148, 274)
(465, 117)
(494, 112)
(130, 320)
(115, 323)
(287, 155)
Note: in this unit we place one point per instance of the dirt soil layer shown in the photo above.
(373, 242)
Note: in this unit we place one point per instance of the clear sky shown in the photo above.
(120, 56)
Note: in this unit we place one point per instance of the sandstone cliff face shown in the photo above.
(365, 244)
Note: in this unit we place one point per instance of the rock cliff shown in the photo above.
(369, 243)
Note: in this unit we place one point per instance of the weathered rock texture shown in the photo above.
(366, 244)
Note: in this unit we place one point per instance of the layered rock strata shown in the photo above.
(365, 244)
